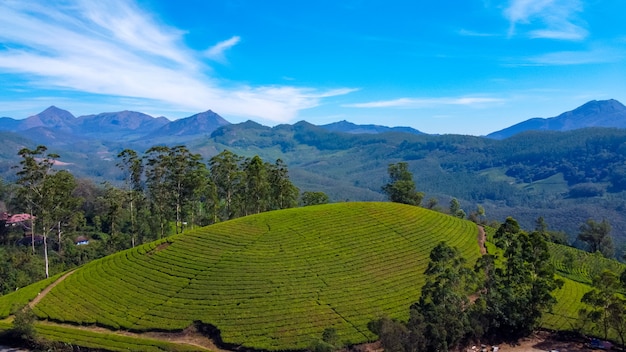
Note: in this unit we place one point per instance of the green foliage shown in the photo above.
(23, 324)
(455, 209)
(313, 198)
(521, 289)
(270, 281)
(444, 295)
(597, 237)
(401, 187)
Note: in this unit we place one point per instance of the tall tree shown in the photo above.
(36, 165)
(517, 293)
(255, 186)
(49, 195)
(185, 174)
(597, 236)
(605, 307)
(159, 191)
(283, 193)
(401, 187)
(455, 209)
(132, 167)
(449, 282)
(226, 176)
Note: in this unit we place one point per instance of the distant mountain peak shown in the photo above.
(201, 123)
(594, 113)
(52, 117)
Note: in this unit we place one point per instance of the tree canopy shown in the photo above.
(401, 187)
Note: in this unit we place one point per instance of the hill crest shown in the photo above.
(271, 281)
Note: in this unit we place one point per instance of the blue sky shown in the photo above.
(469, 67)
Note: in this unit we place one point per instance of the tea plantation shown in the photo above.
(271, 281)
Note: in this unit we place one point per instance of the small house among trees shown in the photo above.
(81, 241)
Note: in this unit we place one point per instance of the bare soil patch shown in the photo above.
(482, 238)
(540, 341)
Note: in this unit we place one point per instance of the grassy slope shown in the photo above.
(272, 281)
(277, 280)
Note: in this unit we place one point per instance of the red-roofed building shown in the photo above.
(18, 219)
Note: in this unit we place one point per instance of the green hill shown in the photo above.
(271, 281)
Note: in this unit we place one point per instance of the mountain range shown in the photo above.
(135, 126)
(602, 113)
(566, 168)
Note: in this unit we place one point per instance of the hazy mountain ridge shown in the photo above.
(131, 125)
(349, 127)
(603, 113)
(110, 125)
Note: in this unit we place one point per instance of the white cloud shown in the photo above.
(426, 102)
(553, 19)
(216, 52)
(112, 48)
(597, 55)
(470, 33)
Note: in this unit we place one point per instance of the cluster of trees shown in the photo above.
(501, 297)
(605, 306)
(177, 187)
(164, 191)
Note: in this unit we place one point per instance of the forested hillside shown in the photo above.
(566, 177)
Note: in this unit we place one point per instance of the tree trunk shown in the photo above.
(59, 238)
(32, 231)
(132, 222)
(45, 252)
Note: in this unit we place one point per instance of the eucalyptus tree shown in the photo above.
(521, 289)
(48, 194)
(255, 186)
(186, 176)
(227, 177)
(283, 193)
(159, 192)
(132, 167)
(449, 282)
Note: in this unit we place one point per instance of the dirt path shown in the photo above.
(482, 238)
(43, 293)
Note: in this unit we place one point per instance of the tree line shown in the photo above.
(163, 191)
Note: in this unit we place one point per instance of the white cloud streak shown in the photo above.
(552, 19)
(216, 52)
(596, 55)
(113, 48)
(414, 103)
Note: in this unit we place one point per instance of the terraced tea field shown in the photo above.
(270, 281)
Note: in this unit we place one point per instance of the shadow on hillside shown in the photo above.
(213, 333)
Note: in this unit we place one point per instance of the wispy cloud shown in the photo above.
(551, 19)
(597, 55)
(216, 52)
(414, 103)
(470, 33)
(113, 48)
